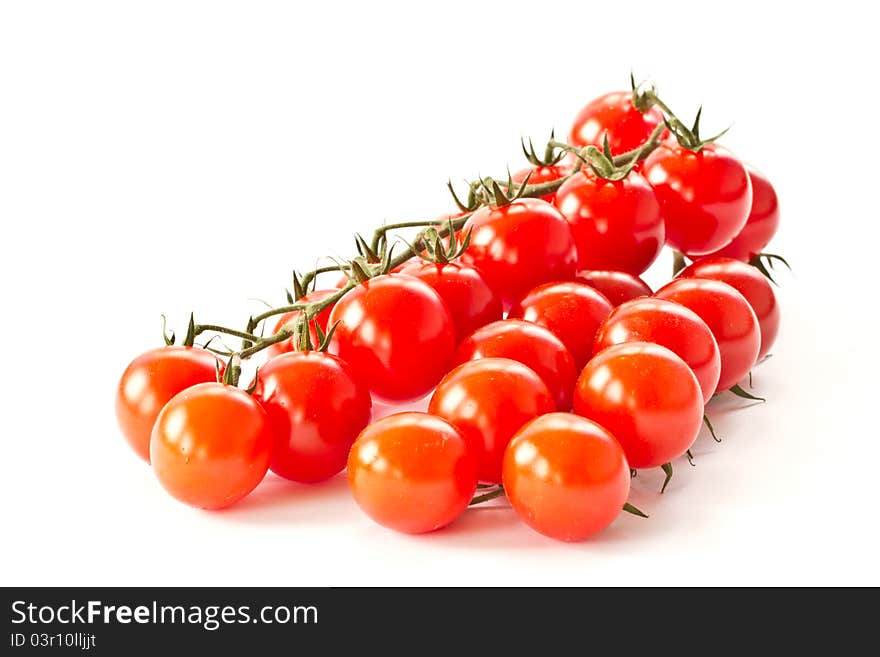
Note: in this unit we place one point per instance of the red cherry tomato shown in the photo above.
(565, 476)
(412, 472)
(397, 335)
(646, 396)
(617, 286)
(288, 319)
(728, 315)
(762, 223)
(616, 224)
(670, 325)
(542, 175)
(211, 445)
(531, 345)
(750, 283)
(705, 197)
(519, 246)
(569, 310)
(470, 299)
(316, 409)
(488, 400)
(150, 381)
(615, 115)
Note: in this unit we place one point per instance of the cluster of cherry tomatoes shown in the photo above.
(554, 370)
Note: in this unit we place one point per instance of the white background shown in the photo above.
(175, 156)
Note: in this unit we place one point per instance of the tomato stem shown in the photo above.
(264, 343)
(308, 277)
(379, 233)
(201, 328)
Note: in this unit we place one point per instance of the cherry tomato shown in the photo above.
(569, 310)
(288, 319)
(565, 476)
(397, 335)
(211, 445)
(316, 409)
(412, 472)
(488, 400)
(617, 286)
(531, 345)
(519, 246)
(542, 175)
(728, 315)
(615, 115)
(705, 197)
(646, 396)
(616, 224)
(471, 301)
(762, 223)
(670, 325)
(150, 381)
(750, 283)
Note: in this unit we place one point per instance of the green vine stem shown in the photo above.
(308, 277)
(622, 159)
(431, 229)
(251, 346)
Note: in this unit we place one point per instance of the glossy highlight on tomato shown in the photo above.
(616, 224)
(730, 318)
(749, 282)
(614, 115)
(412, 472)
(518, 246)
(396, 334)
(316, 409)
(289, 319)
(646, 396)
(565, 476)
(617, 286)
(211, 445)
(530, 344)
(670, 325)
(705, 197)
(762, 223)
(569, 310)
(468, 296)
(488, 400)
(150, 381)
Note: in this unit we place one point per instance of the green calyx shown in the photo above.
(765, 262)
(373, 255)
(494, 194)
(602, 162)
(473, 201)
(689, 138)
(364, 267)
(168, 336)
(439, 251)
(552, 154)
(233, 371)
(190, 338)
(300, 288)
(642, 94)
(303, 336)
